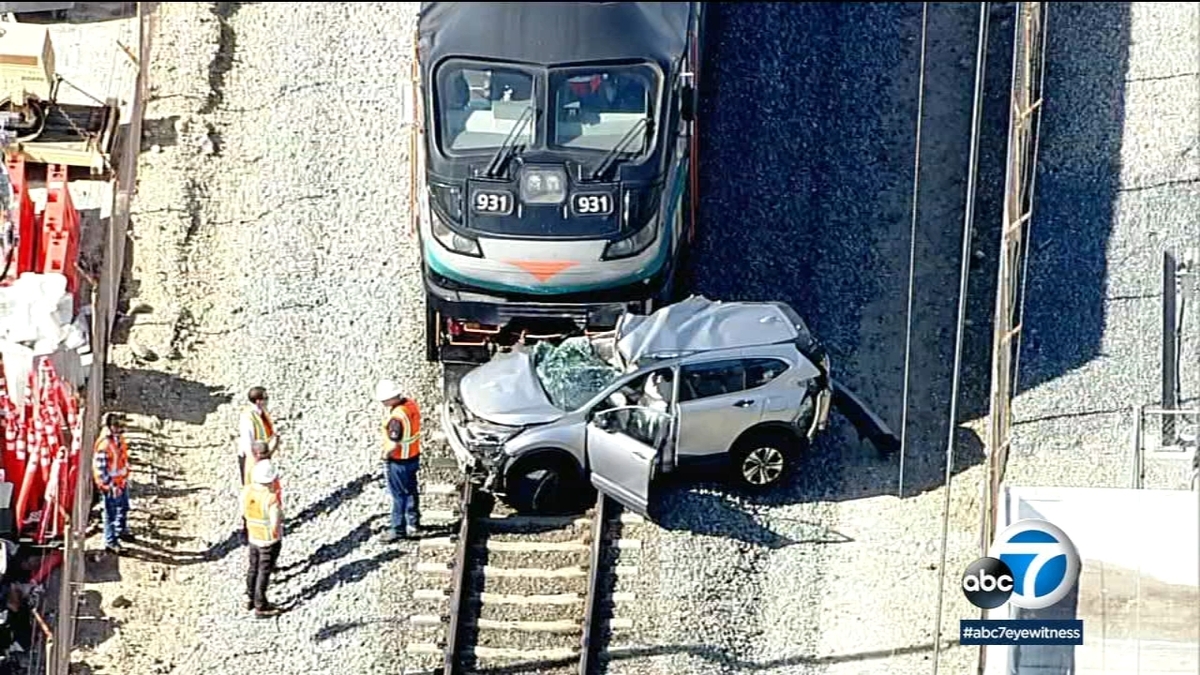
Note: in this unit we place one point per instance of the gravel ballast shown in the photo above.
(1117, 187)
(271, 241)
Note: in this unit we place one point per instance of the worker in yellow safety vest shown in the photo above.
(263, 512)
(401, 455)
(255, 425)
(110, 472)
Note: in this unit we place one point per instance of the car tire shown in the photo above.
(763, 460)
(549, 488)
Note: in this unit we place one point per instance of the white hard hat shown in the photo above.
(387, 390)
(263, 473)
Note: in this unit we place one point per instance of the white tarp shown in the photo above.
(699, 324)
(37, 319)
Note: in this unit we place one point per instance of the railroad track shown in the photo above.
(521, 594)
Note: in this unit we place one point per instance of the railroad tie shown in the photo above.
(433, 595)
(497, 653)
(560, 627)
(440, 489)
(440, 515)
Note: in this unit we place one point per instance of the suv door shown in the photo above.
(623, 446)
(714, 408)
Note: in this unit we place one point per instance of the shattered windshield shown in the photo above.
(572, 373)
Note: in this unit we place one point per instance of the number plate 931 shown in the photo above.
(592, 204)
(492, 203)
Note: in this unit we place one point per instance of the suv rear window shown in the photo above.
(762, 371)
(717, 378)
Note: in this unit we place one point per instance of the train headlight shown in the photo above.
(543, 186)
(452, 240)
(635, 244)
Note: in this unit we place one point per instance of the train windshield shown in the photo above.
(599, 108)
(481, 104)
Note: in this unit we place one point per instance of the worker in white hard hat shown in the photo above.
(401, 455)
(263, 511)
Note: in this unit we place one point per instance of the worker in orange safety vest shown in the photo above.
(401, 455)
(264, 529)
(110, 471)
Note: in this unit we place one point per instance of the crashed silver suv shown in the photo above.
(744, 383)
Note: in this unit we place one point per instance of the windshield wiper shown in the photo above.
(610, 158)
(508, 148)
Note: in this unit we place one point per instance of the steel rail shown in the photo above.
(459, 595)
(592, 626)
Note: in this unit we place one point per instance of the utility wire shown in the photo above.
(912, 248)
(963, 278)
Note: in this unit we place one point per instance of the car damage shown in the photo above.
(742, 384)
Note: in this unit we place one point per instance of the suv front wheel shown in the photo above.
(763, 459)
(548, 485)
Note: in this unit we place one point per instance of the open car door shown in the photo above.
(623, 447)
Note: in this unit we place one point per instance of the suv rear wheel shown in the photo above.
(763, 459)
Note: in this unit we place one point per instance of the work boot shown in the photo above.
(128, 536)
(113, 548)
(266, 611)
(249, 604)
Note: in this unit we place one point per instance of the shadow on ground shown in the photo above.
(155, 546)
(160, 131)
(101, 568)
(326, 553)
(162, 395)
(709, 504)
(92, 627)
(1078, 182)
(820, 213)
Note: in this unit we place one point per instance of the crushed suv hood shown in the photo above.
(505, 391)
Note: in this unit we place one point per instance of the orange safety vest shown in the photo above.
(256, 508)
(410, 445)
(117, 455)
(264, 428)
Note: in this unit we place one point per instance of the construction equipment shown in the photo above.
(38, 126)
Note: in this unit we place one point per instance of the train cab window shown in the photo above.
(479, 105)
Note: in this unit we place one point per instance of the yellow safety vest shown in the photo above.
(256, 508)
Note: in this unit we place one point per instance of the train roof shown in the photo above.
(554, 33)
